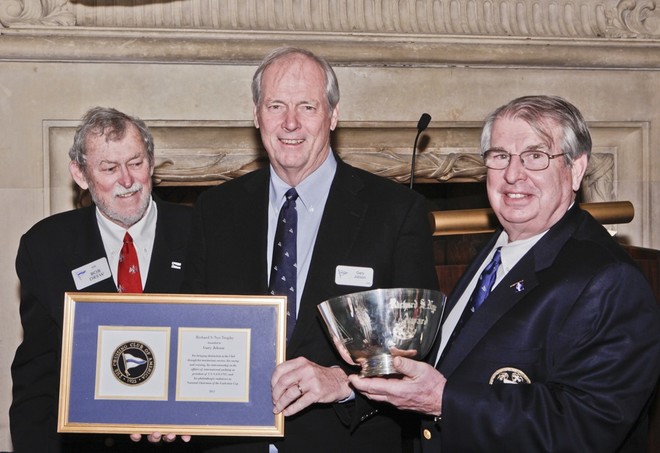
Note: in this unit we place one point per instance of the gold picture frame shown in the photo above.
(171, 363)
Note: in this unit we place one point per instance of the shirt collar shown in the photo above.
(137, 231)
(512, 252)
(312, 191)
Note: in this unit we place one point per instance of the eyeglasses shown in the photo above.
(531, 160)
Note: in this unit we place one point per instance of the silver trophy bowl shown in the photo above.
(370, 328)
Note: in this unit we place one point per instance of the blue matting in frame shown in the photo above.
(260, 319)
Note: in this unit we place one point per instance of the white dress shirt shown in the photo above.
(143, 234)
(511, 253)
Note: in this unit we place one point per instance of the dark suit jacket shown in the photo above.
(368, 221)
(583, 326)
(47, 254)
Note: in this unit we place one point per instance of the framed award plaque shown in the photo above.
(171, 363)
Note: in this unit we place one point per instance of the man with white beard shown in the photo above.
(113, 157)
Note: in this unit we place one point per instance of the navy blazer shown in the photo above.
(47, 254)
(575, 325)
(368, 221)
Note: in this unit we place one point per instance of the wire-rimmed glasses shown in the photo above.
(532, 160)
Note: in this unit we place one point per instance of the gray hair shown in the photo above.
(331, 83)
(113, 124)
(542, 112)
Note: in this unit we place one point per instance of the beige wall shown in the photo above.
(49, 75)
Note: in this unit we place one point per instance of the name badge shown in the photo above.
(354, 276)
(91, 273)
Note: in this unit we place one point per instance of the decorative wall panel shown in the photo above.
(555, 18)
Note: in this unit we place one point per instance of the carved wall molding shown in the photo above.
(557, 18)
(76, 44)
(175, 167)
(209, 167)
(36, 12)
(206, 153)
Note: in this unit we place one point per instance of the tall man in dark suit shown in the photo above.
(113, 157)
(564, 353)
(356, 231)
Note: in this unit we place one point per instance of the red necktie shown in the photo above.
(128, 271)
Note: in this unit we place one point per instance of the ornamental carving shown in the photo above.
(208, 167)
(536, 18)
(35, 12)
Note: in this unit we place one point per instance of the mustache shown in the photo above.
(122, 191)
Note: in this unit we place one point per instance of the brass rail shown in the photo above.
(473, 221)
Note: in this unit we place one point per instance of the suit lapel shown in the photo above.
(168, 251)
(253, 223)
(520, 281)
(342, 219)
(88, 247)
(161, 253)
(505, 296)
(459, 289)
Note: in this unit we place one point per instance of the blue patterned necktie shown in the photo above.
(486, 281)
(479, 294)
(283, 272)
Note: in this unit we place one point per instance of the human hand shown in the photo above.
(298, 383)
(420, 389)
(410, 353)
(154, 438)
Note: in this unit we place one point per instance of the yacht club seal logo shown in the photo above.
(509, 375)
(132, 363)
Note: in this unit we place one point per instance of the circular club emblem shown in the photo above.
(509, 375)
(132, 363)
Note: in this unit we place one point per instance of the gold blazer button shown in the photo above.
(427, 434)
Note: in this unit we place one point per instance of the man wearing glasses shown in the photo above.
(552, 338)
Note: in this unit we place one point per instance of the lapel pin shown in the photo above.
(176, 265)
(518, 286)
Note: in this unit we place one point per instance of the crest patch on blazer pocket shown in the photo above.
(509, 375)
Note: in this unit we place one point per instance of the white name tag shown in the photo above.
(91, 273)
(354, 276)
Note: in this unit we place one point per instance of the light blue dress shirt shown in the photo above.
(312, 195)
